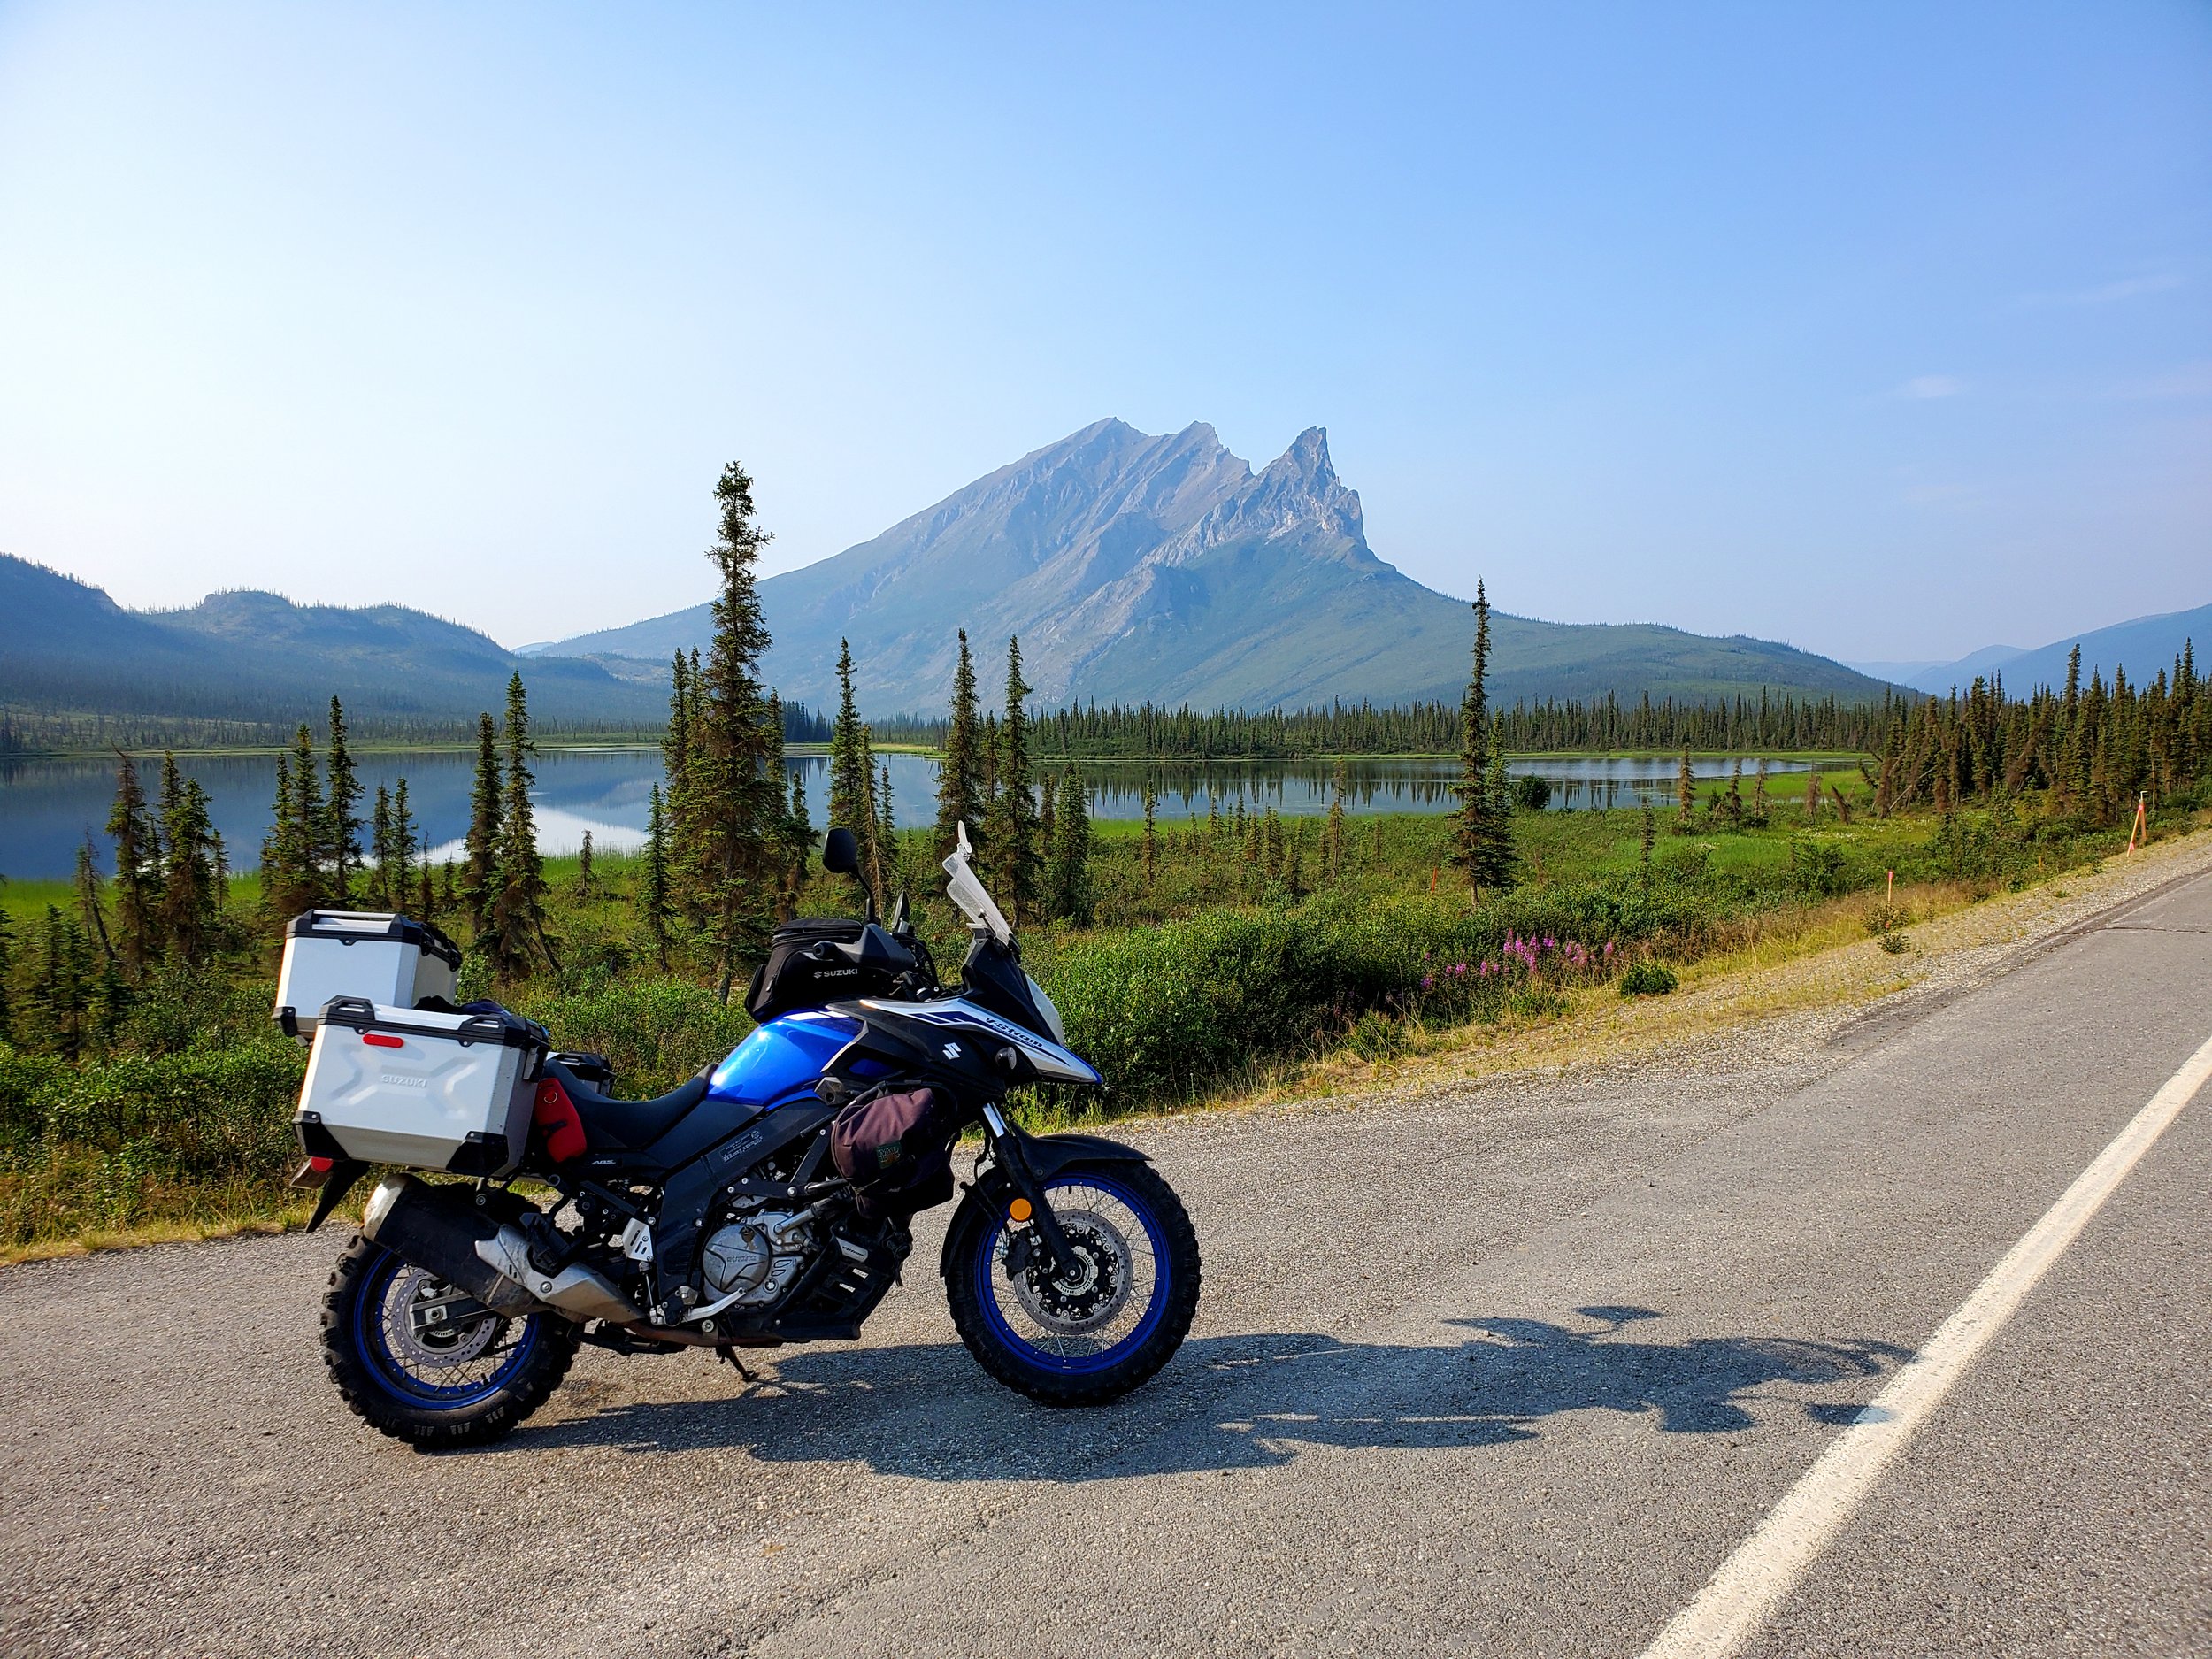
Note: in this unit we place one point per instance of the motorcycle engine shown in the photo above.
(745, 1266)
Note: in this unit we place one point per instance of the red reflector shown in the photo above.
(321, 1166)
(379, 1040)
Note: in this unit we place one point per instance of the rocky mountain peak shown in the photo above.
(1296, 496)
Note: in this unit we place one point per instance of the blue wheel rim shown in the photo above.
(392, 1373)
(987, 1264)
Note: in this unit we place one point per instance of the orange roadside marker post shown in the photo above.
(2141, 826)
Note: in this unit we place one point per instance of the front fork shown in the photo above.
(1005, 1142)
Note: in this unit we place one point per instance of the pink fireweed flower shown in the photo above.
(1428, 982)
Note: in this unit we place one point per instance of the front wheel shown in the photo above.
(420, 1376)
(1086, 1338)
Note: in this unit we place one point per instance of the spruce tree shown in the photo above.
(480, 846)
(788, 848)
(1475, 830)
(587, 884)
(1047, 808)
(1684, 793)
(1068, 868)
(61, 995)
(654, 903)
(1334, 833)
(275, 847)
(1009, 837)
(310, 859)
(376, 880)
(849, 766)
(960, 780)
(886, 841)
(404, 850)
(1151, 832)
(91, 913)
(7, 972)
(676, 751)
(799, 844)
(517, 931)
(737, 805)
(190, 912)
(1496, 871)
(137, 868)
(342, 841)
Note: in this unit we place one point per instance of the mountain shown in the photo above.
(1913, 672)
(2142, 646)
(1136, 567)
(67, 645)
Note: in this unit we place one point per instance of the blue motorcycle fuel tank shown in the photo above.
(782, 1060)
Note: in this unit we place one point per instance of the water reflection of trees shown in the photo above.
(1305, 789)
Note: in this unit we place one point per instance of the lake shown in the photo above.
(48, 806)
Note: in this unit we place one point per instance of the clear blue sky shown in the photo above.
(1884, 330)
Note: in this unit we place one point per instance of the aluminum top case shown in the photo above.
(393, 961)
(422, 1089)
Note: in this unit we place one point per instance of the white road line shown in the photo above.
(1752, 1584)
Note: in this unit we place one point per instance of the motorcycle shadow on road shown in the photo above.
(1248, 1402)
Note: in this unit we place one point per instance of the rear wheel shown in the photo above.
(420, 1375)
(1093, 1335)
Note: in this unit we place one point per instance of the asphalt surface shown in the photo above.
(1510, 1370)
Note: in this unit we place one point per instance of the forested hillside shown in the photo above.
(259, 662)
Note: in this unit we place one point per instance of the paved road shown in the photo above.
(1510, 1370)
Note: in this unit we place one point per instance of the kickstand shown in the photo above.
(728, 1354)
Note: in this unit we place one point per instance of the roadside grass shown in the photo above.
(1247, 996)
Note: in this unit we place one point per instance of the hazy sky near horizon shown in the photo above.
(1885, 330)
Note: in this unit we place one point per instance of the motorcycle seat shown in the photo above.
(627, 1125)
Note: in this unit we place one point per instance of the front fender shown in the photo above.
(1048, 1155)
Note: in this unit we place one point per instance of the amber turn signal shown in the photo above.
(1019, 1209)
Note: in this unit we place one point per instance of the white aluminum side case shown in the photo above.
(392, 961)
(423, 1090)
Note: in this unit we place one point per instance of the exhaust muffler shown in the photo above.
(437, 1229)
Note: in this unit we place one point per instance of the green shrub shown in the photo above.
(1821, 870)
(1531, 793)
(656, 1031)
(1166, 1010)
(105, 1143)
(1648, 979)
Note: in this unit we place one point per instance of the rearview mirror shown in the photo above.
(840, 853)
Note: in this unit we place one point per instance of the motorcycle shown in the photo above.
(768, 1201)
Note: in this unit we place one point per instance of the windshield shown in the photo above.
(969, 894)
